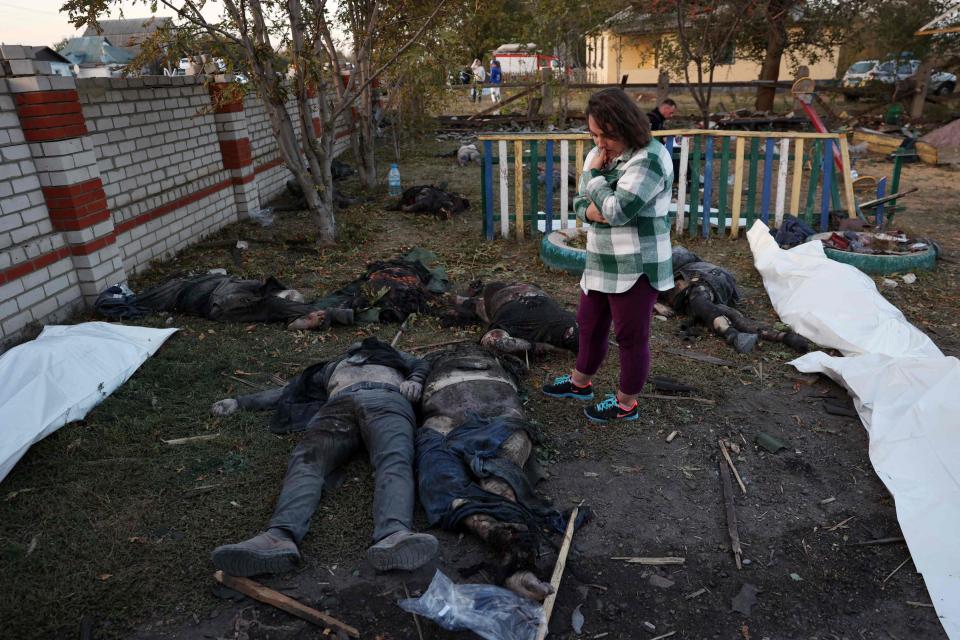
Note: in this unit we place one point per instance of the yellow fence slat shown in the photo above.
(797, 178)
(793, 135)
(847, 177)
(578, 159)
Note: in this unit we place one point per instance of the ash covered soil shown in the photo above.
(105, 531)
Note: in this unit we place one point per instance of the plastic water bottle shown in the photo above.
(393, 180)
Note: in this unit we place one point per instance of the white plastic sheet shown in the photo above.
(905, 390)
(60, 376)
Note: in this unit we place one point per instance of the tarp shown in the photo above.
(60, 376)
(903, 387)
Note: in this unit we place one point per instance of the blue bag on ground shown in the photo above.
(490, 612)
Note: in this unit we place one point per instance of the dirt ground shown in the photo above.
(105, 531)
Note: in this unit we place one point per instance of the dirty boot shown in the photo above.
(273, 551)
(742, 342)
(404, 550)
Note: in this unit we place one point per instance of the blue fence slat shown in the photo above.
(548, 184)
(767, 180)
(488, 187)
(881, 191)
(707, 185)
(827, 166)
(668, 143)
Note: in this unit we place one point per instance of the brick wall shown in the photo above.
(99, 176)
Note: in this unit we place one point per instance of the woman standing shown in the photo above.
(479, 77)
(625, 195)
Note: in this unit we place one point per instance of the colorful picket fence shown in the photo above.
(727, 179)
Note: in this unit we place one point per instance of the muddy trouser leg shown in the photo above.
(700, 302)
(743, 323)
(331, 438)
(387, 425)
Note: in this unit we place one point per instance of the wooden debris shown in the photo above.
(877, 541)
(701, 357)
(828, 500)
(726, 456)
(666, 635)
(416, 620)
(892, 573)
(653, 562)
(497, 105)
(176, 441)
(673, 434)
(919, 604)
(242, 381)
(441, 344)
(841, 523)
(557, 574)
(658, 396)
(695, 594)
(403, 327)
(276, 599)
(727, 487)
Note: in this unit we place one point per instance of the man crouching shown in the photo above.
(362, 397)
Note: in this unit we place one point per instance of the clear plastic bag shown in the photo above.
(490, 612)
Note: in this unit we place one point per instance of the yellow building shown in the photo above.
(629, 44)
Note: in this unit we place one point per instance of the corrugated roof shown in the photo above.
(130, 32)
(95, 50)
(633, 21)
(46, 54)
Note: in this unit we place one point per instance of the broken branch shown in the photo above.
(557, 574)
(727, 489)
(726, 455)
(651, 561)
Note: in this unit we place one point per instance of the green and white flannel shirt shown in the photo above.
(633, 194)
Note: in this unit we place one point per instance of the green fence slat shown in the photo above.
(752, 181)
(724, 186)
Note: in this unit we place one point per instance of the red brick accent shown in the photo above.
(266, 166)
(87, 248)
(41, 97)
(229, 103)
(153, 214)
(236, 153)
(77, 206)
(25, 268)
(50, 115)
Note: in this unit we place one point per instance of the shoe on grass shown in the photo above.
(564, 387)
(272, 551)
(404, 550)
(610, 410)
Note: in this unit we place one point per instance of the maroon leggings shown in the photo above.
(631, 313)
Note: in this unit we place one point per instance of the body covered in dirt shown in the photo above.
(475, 470)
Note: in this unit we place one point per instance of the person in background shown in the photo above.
(659, 116)
(625, 195)
(479, 77)
(495, 79)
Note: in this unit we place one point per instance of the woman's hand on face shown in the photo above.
(599, 160)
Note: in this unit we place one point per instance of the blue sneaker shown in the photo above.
(564, 387)
(610, 410)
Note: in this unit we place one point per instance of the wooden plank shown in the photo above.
(707, 185)
(518, 186)
(548, 184)
(768, 149)
(814, 178)
(533, 167)
(724, 186)
(682, 183)
(504, 190)
(737, 187)
(497, 105)
(486, 180)
(578, 160)
(752, 181)
(276, 599)
(782, 182)
(726, 486)
(847, 177)
(564, 187)
(827, 178)
(694, 188)
(797, 178)
(557, 575)
(652, 562)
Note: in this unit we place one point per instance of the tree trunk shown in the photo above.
(770, 70)
(921, 83)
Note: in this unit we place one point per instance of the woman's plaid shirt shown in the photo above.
(633, 194)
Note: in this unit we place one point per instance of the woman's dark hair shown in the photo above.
(619, 117)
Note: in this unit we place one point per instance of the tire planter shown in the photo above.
(556, 252)
(880, 264)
